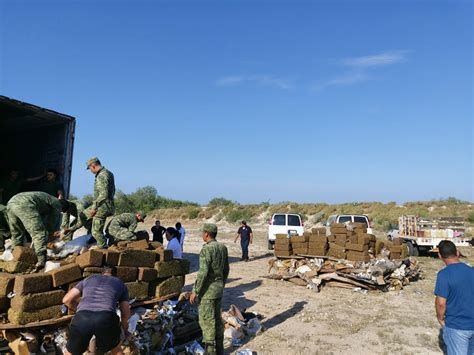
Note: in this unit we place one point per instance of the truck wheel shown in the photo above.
(270, 245)
(412, 249)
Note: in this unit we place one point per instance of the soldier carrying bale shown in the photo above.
(122, 227)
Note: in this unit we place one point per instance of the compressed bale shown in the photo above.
(90, 258)
(396, 249)
(395, 256)
(14, 267)
(27, 255)
(137, 290)
(363, 239)
(146, 274)
(397, 241)
(331, 238)
(7, 281)
(168, 268)
(138, 244)
(4, 304)
(318, 245)
(284, 247)
(354, 256)
(94, 269)
(33, 283)
(164, 255)
(36, 301)
(299, 244)
(156, 245)
(301, 251)
(300, 238)
(379, 244)
(338, 225)
(185, 266)
(357, 247)
(319, 231)
(22, 318)
(405, 252)
(338, 230)
(341, 239)
(167, 287)
(281, 236)
(317, 251)
(283, 253)
(318, 238)
(66, 274)
(86, 274)
(127, 273)
(135, 257)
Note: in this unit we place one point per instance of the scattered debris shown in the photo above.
(238, 325)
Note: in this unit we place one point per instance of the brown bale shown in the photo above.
(285, 247)
(300, 251)
(169, 268)
(33, 283)
(283, 253)
(281, 236)
(35, 301)
(94, 269)
(7, 281)
(317, 251)
(147, 274)
(137, 290)
(397, 241)
(127, 273)
(172, 285)
(112, 257)
(65, 274)
(138, 244)
(300, 238)
(395, 256)
(22, 318)
(318, 245)
(86, 274)
(299, 244)
(379, 244)
(27, 255)
(90, 258)
(357, 256)
(318, 238)
(332, 238)
(341, 239)
(14, 267)
(164, 255)
(321, 231)
(396, 249)
(357, 247)
(135, 257)
(338, 230)
(363, 239)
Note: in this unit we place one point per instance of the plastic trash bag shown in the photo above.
(195, 348)
(7, 255)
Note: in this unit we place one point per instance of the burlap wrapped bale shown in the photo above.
(4, 304)
(33, 283)
(395, 256)
(14, 267)
(127, 273)
(397, 241)
(164, 255)
(396, 249)
(338, 225)
(147, 274)
(336, 251)
(357, 247)
(281, 236)
(283, 253)
(66, 274)
(300, 238)
(7, 281)
(379, 244)
(338, 230)
(172, 285)
(321, 231)
(90, 258)
(111, 257)
(135, 257)
(299, 244)
(137, 290)
(318, 238)
(168, 268)
(138, 244)
(357, 256)
(22, 318)
(363, 239)
(94, 269)
(185, 266)
(317, 251)
(86, 274)
(405, 252)
(341, 239)
(156, 245)
(36, 301)
(283, 247)
(282, 242)
(332, 238)
(318, 245)
(300, 251)
(27, 255)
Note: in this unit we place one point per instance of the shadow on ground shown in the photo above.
(236, 295)
(194, 259)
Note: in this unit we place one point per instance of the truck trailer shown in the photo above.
(33, 139)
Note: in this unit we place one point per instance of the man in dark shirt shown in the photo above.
(246, 238)
(96, 313)
(51, 185)
(158, 230)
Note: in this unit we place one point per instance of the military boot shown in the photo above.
(210, 349)
(41, 261)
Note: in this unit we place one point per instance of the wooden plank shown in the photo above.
(320, 257)
(43, 323)
(154, 300)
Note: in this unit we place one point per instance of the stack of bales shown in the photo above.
(24, 259)
(283, 245)
(318, 242)
(337, 241)
(147, 270)
(299, 243)
(396, 248)
(360, 243)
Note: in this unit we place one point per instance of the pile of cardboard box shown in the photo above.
(146, 268)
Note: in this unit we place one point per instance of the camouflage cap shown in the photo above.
(209, 227)
(143, 214)
(93, 160)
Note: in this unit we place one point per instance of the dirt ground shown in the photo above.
(334, 321)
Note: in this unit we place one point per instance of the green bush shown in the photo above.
(239, 214)
(220, 201)
(470, 217)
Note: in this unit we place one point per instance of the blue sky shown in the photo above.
(255, 101)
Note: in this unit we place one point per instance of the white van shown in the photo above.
(284, 223)
(350, 218)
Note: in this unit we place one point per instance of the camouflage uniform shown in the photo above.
(122, 227)
(209, 286)
(76, 210)
(37, 213)
(104, 191)
(4, 229)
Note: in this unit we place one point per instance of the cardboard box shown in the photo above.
(36, 301)
(127, 273)
(33, 283)
(22, 318)
(90, 258)
(135, 257)
(147, 274)
(7, 281)
(27, 255)
(65, 274)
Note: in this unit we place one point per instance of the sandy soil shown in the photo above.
(334, 321)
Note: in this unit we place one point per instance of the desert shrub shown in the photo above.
(192, 212)
(470, 217)
(239, 214)
(221, 201)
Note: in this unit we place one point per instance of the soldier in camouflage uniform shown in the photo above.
(4, 228)
(122, 227)
(73, 219)
(209, 288)
(103, 204)
(37, 213)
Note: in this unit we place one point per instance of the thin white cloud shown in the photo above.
(261, 80)
(377, 60)
(342, 80)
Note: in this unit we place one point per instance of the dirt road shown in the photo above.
(334, 321)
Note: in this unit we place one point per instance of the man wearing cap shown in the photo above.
(103, 204)
(122, 227)
(209, 288)
(246, 236)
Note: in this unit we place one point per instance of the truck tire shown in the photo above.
(412, 249)
(270, 245)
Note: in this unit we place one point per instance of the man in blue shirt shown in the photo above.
(455, 301)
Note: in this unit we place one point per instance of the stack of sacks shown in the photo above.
(337, 241)
(318, 242)
(23, 259)
(299, 243)
(283, 245)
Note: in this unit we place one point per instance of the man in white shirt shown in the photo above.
(173, 242)
(182, 234)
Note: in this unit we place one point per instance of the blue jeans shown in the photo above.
(459, 342)
(244, 243)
